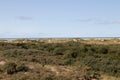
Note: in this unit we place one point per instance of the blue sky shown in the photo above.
(59, 18)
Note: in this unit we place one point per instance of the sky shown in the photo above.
(59, 18)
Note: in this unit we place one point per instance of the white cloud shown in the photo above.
(108, 22)
(100, 21)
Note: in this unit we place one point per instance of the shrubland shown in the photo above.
(88, 60)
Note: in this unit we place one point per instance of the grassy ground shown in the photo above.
(71, 59)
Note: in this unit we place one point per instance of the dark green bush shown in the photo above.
(10, 68)
(21, 68)
(103, 50)
(58, 51)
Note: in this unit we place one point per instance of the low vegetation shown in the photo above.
(70, 60)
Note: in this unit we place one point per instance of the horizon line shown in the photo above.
(58, 38)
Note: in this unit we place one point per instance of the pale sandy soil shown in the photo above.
(88, 41)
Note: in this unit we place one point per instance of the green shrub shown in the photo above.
(21, 67)
(103, 50)
(58, 51)
(47, 76)
(69, 61)
(10, 68)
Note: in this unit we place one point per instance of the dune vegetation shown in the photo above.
(70, 60)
